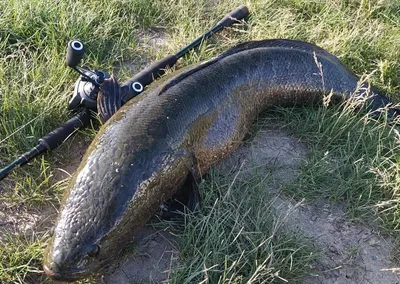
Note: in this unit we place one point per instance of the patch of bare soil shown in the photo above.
(18, 220)
(151, 260)
(26, 220)
(76, 148)
(350, 252)
(151, 40)
(270, 152)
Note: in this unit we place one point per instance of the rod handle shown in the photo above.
(58, 135)
(50, 141)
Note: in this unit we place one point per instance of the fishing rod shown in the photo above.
(87, 97)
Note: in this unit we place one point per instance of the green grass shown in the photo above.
(19, 259)
(353, 159)
(236, 238)
(360, 155)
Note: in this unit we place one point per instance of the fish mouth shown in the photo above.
(69, 275)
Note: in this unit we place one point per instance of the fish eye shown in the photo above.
(94, 250)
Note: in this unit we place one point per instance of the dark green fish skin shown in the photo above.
(143, 154)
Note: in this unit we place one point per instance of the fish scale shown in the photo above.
(182, 126)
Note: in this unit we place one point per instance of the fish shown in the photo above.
(177, 130)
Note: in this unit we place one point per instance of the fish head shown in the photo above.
(97, 219)
(105, 204)
(80, 242)
(65, 265)
(137, 161)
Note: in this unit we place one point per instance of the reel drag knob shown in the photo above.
(75, 51)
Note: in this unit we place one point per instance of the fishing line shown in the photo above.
(25, 125)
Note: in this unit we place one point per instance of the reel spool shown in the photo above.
(85, 92)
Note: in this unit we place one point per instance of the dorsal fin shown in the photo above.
(267, 43)
(284, 43)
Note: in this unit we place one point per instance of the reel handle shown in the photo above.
(75, 52)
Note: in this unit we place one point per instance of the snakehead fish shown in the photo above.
(177, 128)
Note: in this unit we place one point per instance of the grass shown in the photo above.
(356, 154)
(19, 258)
(237, 238)
(353, 160)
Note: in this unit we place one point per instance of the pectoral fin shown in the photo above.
(185, 200)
